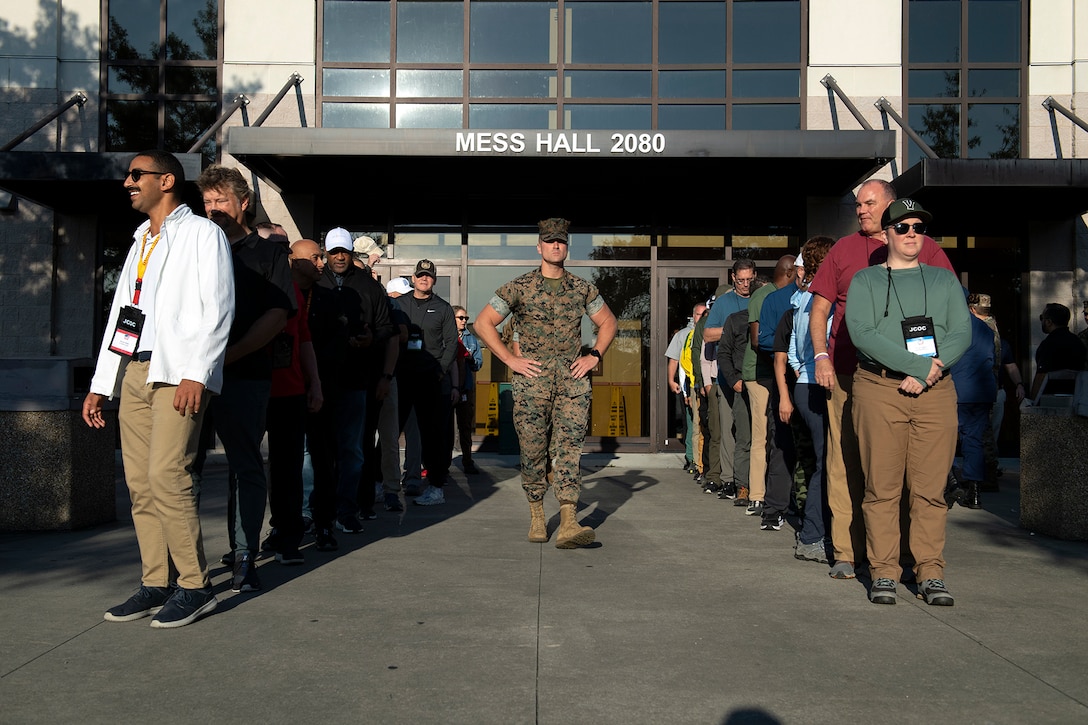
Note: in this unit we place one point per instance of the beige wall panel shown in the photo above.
(855, 32)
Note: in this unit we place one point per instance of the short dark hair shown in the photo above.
(166, 162)
(743, 263)
(1056, 313)
(886, 189)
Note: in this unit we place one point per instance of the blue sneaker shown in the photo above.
(185, 607)
(145, 602)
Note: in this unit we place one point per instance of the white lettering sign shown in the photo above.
(559, 143)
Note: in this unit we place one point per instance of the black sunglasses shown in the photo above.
(462, 317)
(137, 173)
(903, 227)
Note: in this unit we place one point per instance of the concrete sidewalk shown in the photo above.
(685, 612)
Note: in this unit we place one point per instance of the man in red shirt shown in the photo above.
(836, 360)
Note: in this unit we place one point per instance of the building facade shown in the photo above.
(677, 135)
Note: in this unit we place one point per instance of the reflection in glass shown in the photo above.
(692, 247)
(933, 83)
(192, 30)
(691, 118)
(141, 79)
(609, 117)
(355, 115)
(429, 83)
(361, 82)
(186, 121)
(134, 30)
(512, 32)
(428, 115)
(767, 31)
(502, 246)
(993, 83)
(189, 80)
(609, 32)
(131, 125)
(511, 84)
(430, 32)
(768, 247)
(767, 117)
(356, 32)
(994, 130)
(691, 84)
(766, 83)
(939, 126)
(608, 246)
(410, 247)
(509, 115)
(934, 31)
(993, 31)
(691, 32)
(607, 84)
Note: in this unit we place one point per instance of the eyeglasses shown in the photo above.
(743, 280)
(463, 317)
(903, 227)
(137, 173)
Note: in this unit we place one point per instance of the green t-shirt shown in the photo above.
(755, 304)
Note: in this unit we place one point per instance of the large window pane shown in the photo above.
(512, 32)
(413, 246)
(429, 83)
(609, 246)
(691, 118)
(511, 84)
(607, 84)
(609, 117)
(186, 80)
(933, 83)
(766, 31)
(134, 30)
(131, 125)
(767, 117)
(691, 32)
(993, 83)
(691, 84)
(500, 246)
(186, 121)
(609, 32)
(994, 130)
(361, 82)
(430, 32)
(509, 115)
(939, 126)
(355, 115)
(993, 31)
(766, 83)
(934, 31)
(142, 79)
(192, 29)
(428, 115)
(356, 31)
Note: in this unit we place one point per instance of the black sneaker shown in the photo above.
(711, 487)
(392, 502)
(728, 491)
(307, 524)
(271, 542)
(227, 559)
(185, 607)
(772, 522)
(471, 469)
(368, 515)
(349, 524)
(325, 540)
(245, 577)
(290, 556)
(145, 602)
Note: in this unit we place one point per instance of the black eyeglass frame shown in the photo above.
(902, 228)
(137, 173)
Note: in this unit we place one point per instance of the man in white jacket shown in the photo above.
(162, 352)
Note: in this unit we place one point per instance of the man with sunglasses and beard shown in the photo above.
(909, 322)
(552, 388)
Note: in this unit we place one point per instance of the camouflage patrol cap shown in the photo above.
(554, 229)
(424, 267)
(980, 302)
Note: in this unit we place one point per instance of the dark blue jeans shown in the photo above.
(974, 419)
(240, 414)
(810, 400)
(334, 436)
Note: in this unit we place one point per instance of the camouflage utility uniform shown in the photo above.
(550, 411)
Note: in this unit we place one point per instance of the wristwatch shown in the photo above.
(594, 353)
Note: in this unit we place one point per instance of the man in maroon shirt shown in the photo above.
(837, 359)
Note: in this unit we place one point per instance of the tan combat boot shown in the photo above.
(570, 535)
(538, 527)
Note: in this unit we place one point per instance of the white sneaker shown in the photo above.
(430, 497)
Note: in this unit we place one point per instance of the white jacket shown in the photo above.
(194, 306)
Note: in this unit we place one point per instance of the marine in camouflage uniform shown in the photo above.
(551, 387)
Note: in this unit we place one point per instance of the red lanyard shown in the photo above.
(141, 268)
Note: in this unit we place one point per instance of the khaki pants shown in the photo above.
(912, 438)
(157, 446)
(759, 398)
(845, 482)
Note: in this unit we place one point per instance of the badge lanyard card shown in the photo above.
(130, 319)
(919, 334)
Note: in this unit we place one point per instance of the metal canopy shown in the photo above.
(978, 196)
(75, 182)
(698, 179)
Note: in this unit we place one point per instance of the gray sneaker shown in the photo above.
(755, 508)
(815, 551)
(883, 592)
(936, 593)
